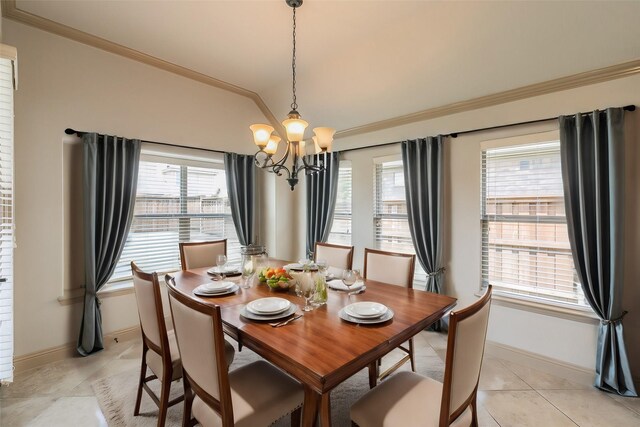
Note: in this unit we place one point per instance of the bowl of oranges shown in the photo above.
(278, 279)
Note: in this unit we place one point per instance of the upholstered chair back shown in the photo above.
(201, 254)
(198, 330)
(147, 290)
(465, 349)
(338, 257)
(389, 267)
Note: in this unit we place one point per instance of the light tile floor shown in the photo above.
(60, 393)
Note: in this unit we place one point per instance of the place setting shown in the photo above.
(350, 282)
(270, 309)
(366, 313)
(215, 289)
(222, 270)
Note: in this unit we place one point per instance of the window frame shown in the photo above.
(532, 302)
(420, 276)
(341, 215)
(183, 158)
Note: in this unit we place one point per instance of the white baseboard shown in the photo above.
(571, 372)
(39, 358)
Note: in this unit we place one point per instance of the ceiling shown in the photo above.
(365, 61)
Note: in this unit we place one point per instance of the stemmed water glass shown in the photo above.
(306, 288)
(248, 270)
(221, 262)
(322, 266)
(349, 277)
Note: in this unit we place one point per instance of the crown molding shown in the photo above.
(556, 85)
(11, 11)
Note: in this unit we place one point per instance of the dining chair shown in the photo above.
(159, 348)
(337, 256)
(396, 269)
(201, 254)
(256, 394)
(408, 399)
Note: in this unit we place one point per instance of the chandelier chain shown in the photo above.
(294, 104)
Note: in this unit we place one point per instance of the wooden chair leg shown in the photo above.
(188, 403)
(164, 395)
(143, 372)
(474, 411)
(412, 357)
(296, 417)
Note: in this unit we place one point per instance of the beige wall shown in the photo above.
(67, 84)
(571, 341)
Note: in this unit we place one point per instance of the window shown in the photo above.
(7, 85)
(341, 228)
(525, 243)
(391, 222)
(176, 201)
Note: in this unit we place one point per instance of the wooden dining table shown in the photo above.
(320, 349)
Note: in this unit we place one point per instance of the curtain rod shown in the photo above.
(79, 133)
(632, 107)
(456, 134)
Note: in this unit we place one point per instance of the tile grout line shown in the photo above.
(559, 410)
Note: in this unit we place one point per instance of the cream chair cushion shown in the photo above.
(260, 395)
(395, 270)
(204, 255)
(406, 399)
(147, 310)
(154, 360)
(336, 257)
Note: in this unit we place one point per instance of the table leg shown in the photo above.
(325, 410)
(373, 374)
(310, 407)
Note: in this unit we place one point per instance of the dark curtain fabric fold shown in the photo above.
(423, 177)
(592, 154)
(110, 180)
(241, 187)
(322, 190)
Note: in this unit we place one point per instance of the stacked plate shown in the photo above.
(215, 289)
(271, 308)
(339, 286)
(301, 266)
(366, 312)
(227, 271)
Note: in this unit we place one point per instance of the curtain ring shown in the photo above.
(438, 271)
(613, 321)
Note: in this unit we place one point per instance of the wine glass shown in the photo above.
(322, 266)
(221, 262)
(349, 277)
(306, 288)
(248, 270)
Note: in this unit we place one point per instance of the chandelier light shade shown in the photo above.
(295, 126)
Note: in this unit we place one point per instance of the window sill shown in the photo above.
(74, 296)
(585, 315)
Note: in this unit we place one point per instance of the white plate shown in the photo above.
(215, 287)
(366, 309)
(301, 267)
(267, 306)
(226, 270)
(231, 290)
(384, 318)
(339, 286)
(249, 315)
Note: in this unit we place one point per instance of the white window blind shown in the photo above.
(391, 222)
(6, 219)
(341, 227)
(176, 201)
(525, 243)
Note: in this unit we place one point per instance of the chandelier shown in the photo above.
(297, 147)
